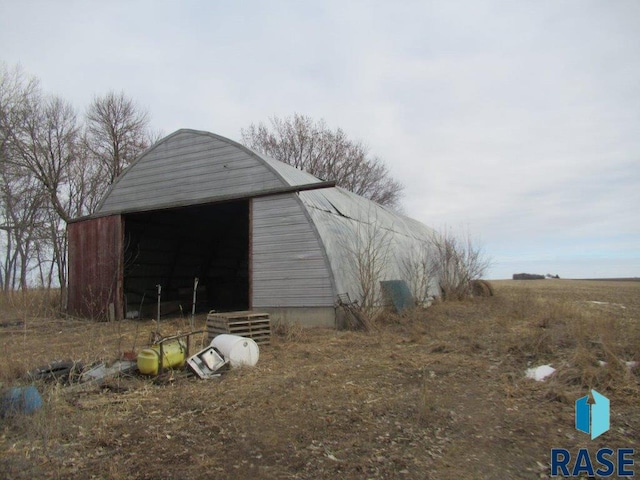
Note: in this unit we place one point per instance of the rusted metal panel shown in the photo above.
(96, 267)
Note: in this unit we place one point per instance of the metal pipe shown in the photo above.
(193, 306)
(175, 337)
(158, 323)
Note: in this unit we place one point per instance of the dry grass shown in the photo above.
(22, 306)
(549, 323)
(415, 397)
(290, 331)
(482, 288)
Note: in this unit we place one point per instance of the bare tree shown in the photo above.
(328, 154)
(53, 169)
(21, 196)
(459, 261)
(368, 250)
(117, 132)
(418, 268)
(39, 149)
(22, 202)
(46, 149)
(87, 181)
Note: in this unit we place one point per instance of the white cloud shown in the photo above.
(516, 119)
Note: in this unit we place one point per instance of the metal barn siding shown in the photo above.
(96, 267)
(289, 267)
(187, 168)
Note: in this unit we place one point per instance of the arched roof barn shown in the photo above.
(258, 233)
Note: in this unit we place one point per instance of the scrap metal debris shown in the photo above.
(59, 370)
(101, 372)
(206, 363)
(354, 317)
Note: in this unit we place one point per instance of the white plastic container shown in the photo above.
(237, 350)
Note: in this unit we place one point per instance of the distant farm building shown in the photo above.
(528, 276)
(258, 233)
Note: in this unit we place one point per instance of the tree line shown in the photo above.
(312, 146)
(56, 164)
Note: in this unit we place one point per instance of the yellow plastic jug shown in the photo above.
(173, 351)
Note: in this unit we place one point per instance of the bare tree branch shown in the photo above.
(419, 269)
(368, 250)
(459, 261)
(53, 169)
(117, 132)
(328, 154)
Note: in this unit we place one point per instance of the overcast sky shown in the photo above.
(518, 121)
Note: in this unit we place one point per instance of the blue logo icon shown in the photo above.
(592, 418)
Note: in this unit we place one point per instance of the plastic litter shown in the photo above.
(539, 374)
(20, 400)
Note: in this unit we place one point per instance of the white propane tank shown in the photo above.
(237, 350)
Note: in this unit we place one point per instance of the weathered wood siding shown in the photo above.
(187, 168)
(289, 268)
(95, 267)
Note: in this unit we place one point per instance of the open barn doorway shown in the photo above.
(172, 247)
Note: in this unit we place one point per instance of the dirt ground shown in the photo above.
(436, 394)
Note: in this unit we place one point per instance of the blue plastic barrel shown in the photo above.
(20, 400)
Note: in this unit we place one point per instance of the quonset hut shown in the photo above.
(259, 234)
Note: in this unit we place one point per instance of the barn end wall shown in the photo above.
(96, 268)
(288, 265)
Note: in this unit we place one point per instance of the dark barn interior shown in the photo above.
(172, 247)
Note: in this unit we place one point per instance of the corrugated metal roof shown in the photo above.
(339, 201)
(293, 176)
(346, 222)
(190, 167)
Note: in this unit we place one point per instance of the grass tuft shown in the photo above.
(289, 331)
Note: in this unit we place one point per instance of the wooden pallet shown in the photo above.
(253, 325)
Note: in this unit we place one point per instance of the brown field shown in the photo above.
(439, 393)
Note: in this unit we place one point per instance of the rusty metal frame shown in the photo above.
(160, 343)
